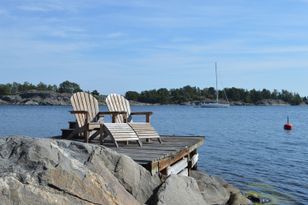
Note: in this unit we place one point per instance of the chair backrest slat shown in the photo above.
(95, 106)
(82, 101)
(75, 105)
(117, 103)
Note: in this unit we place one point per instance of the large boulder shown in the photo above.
(211, 188)
(179, 190)
(215, 190)
(46, 171)
(137, 181)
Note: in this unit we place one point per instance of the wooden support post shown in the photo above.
(147, 118)
(154, 168)
(86, 135)
(177, 167)
(194, 161)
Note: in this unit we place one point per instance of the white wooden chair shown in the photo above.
(144, 130)
(90, 121)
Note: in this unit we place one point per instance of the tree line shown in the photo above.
(186, 94)
(195, 94)
(17, 88)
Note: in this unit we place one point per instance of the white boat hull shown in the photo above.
(214, 105)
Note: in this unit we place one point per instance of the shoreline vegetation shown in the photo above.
(42, 94)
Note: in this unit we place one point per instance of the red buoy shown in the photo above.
(288, 125)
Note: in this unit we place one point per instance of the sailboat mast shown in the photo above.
(216, 82)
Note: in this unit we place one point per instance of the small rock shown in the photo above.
(256, 198)
(31, 102)
(236, 197)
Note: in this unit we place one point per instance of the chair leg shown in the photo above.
(140, 143)
(102, 138)
(116, 144)
(101, 134)
(86, 135)
(94, 135)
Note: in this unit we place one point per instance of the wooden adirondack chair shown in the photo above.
(144, 130)
(86, 110)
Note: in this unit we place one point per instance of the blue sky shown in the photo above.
(115, 46)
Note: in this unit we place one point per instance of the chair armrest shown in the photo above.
(79, 112)
(147, 114)
(113, 114)
(141, 113)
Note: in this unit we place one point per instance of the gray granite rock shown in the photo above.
(212, 190)
(215, 190)
(46, 171)
(179, 190)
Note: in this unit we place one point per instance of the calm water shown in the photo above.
(245, 145)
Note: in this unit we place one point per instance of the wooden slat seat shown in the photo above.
(118, 103)
(144, 130)
(121, 132)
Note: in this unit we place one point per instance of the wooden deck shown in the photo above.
(175, 155)
(157, 157)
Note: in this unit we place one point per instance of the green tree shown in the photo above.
(296, 100)
(163, 95)
(26, 86)
(52, 88)
(69, 87)
(265, 94)
(95, 92)
(42, 86)
(15, 88)
(5, 89)
(132, 95)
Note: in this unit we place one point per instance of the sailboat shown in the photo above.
(215, 104)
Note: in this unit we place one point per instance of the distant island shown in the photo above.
(42, 94)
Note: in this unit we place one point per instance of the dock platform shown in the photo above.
(175, 155)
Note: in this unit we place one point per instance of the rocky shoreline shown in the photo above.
(49, 171)
(55, 98)
(36, 98)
